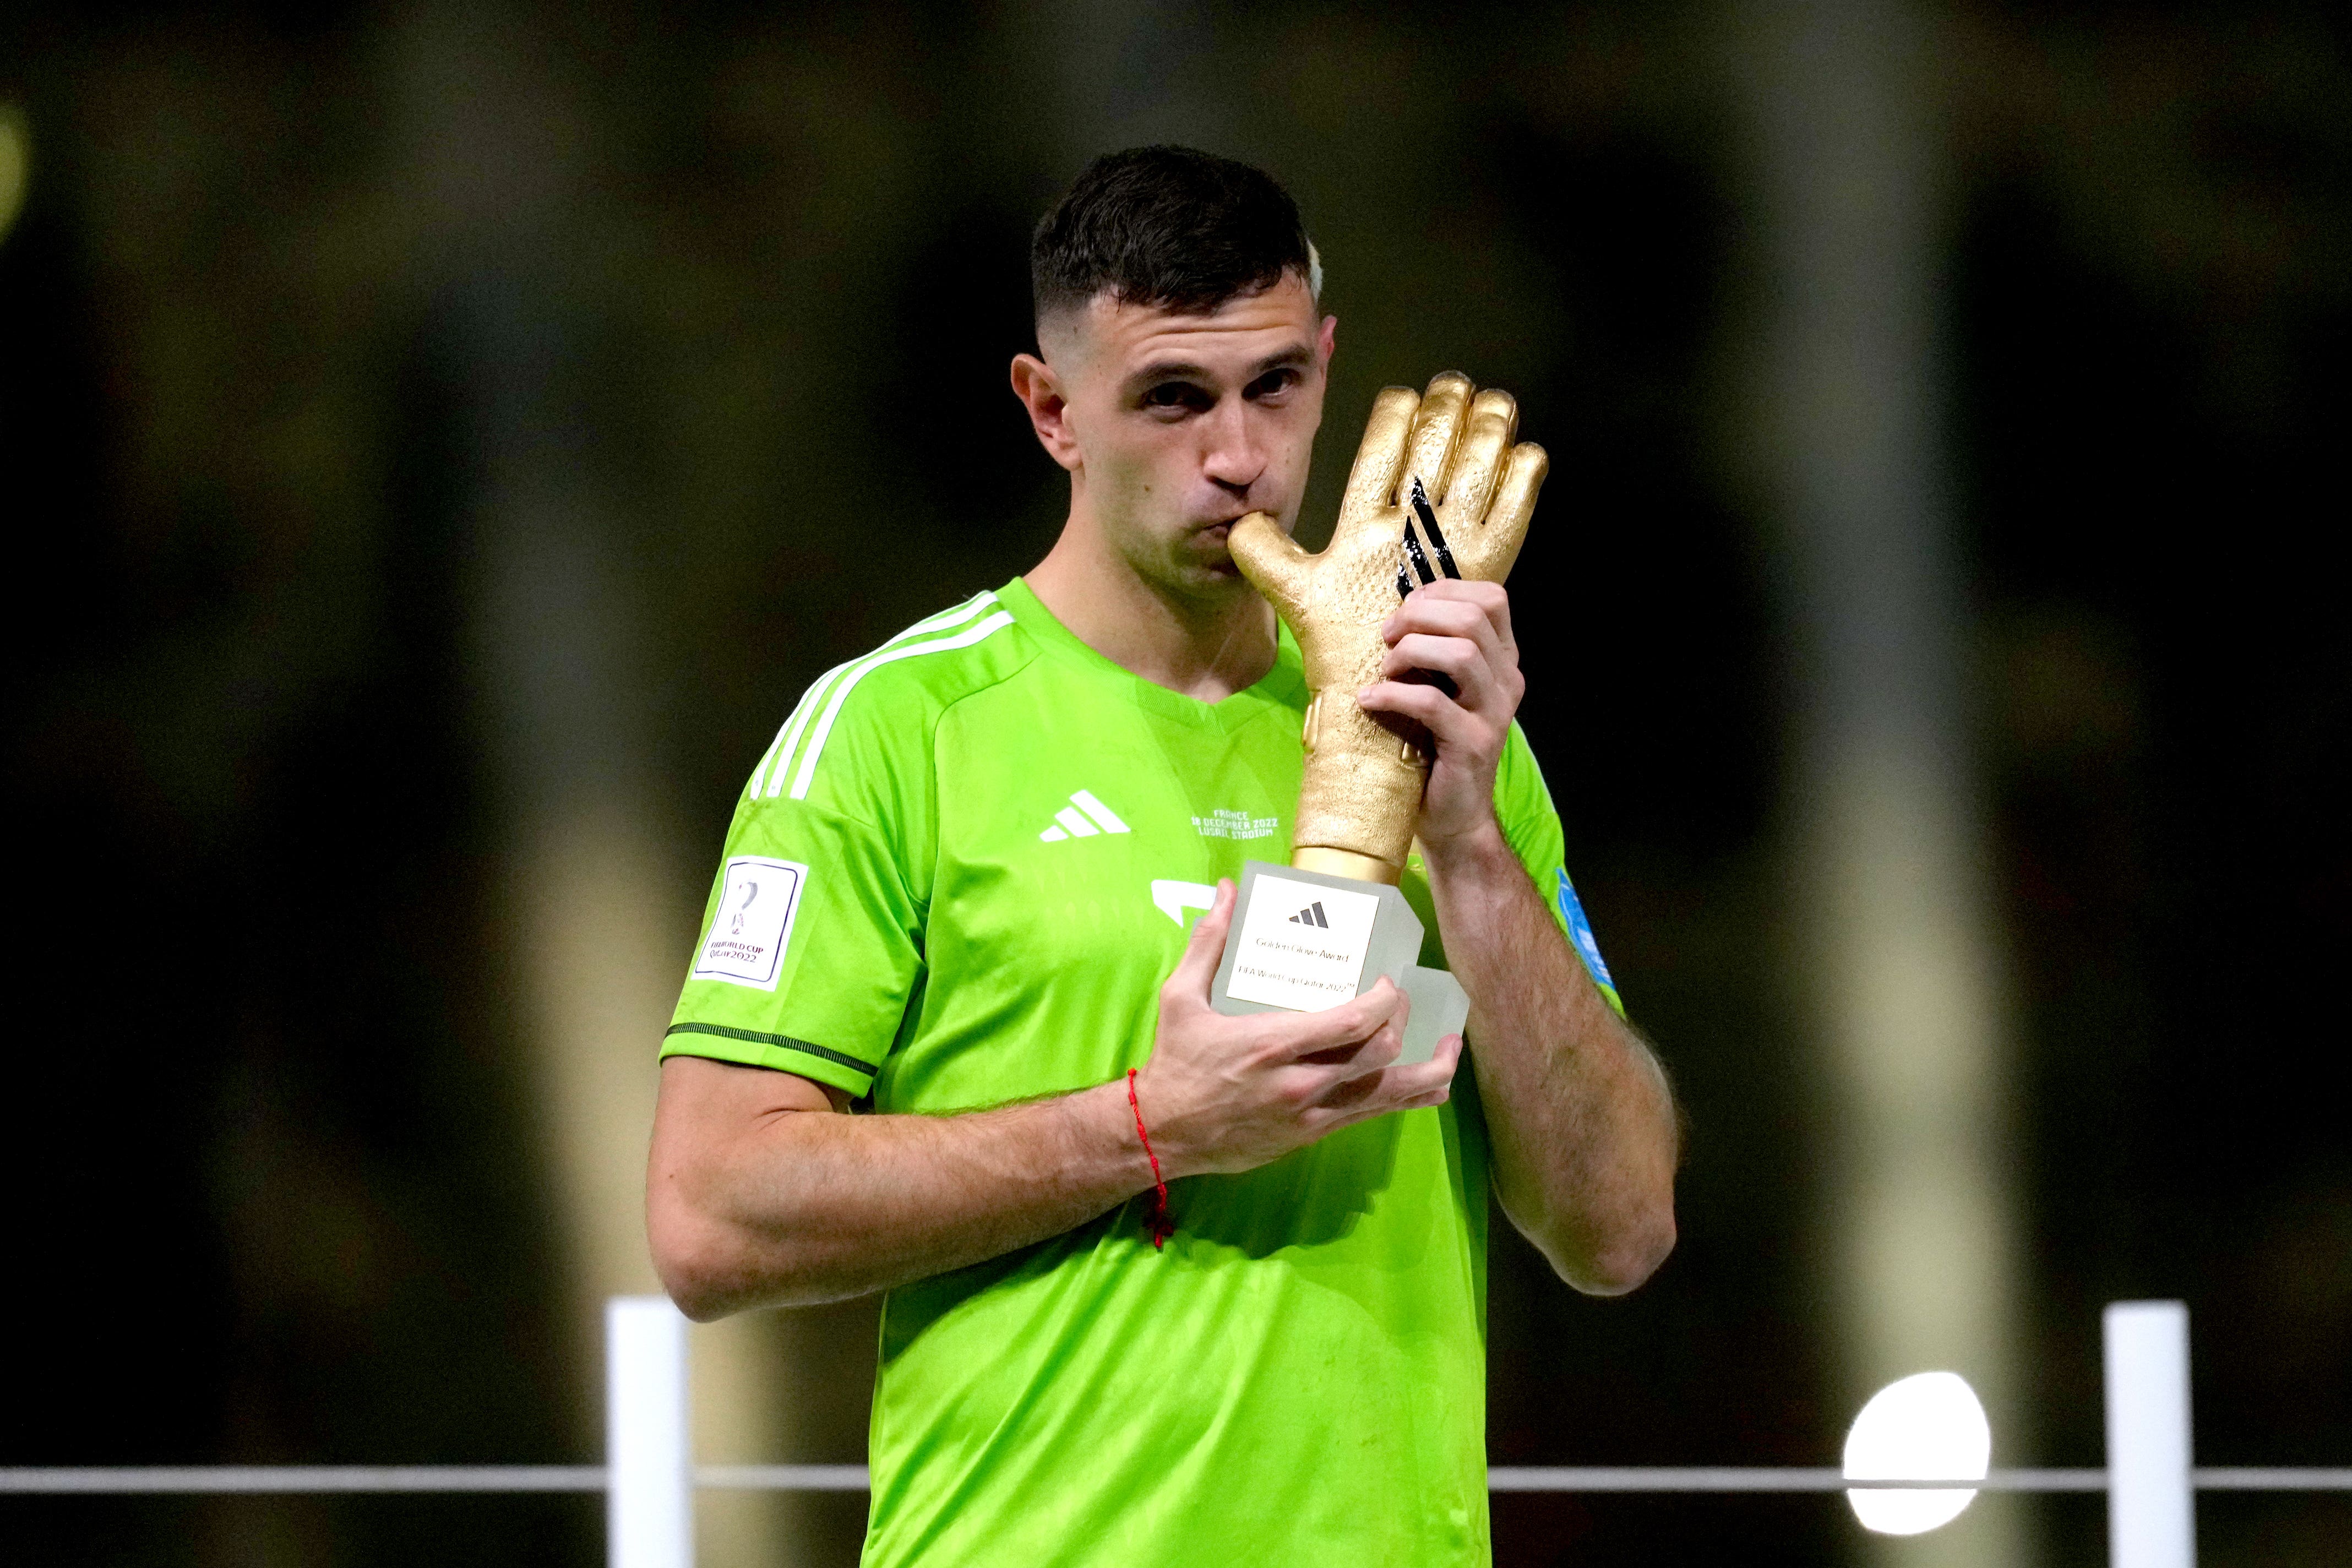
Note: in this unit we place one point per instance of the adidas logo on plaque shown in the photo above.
(1084, 818)
(1312, 915)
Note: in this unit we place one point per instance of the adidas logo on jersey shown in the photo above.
(1084, 818)
(1312, 915)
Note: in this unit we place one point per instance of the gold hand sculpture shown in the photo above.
(1361, 795)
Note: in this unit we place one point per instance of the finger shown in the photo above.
(1494, 420)
(1494, 602)
(1452, 610)
(1380, 458)
(1497, 545)
(1410, 1088)
(1459, 660)
(1491, 602)
(1436, 430)
(1206, 947)
(1455, 728)
(1428, 1082)
(1349, 1023)
(1387, 1042)
(1359, 1076)
(1479, 611)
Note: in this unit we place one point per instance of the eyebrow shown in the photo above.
(1157, 370)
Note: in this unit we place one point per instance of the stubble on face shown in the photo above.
(1189, 422)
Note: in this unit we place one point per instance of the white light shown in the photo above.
(1926, 1428)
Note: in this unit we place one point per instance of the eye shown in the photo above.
(1178, 397)
(1272, 386)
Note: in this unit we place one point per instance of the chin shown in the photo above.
(1216, 564)
(1204, 575)
(1208, 549)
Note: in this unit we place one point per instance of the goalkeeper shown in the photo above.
(945, 1033)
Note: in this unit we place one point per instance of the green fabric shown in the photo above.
(1300, 1377)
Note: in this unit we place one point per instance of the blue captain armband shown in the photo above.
(1580, 934)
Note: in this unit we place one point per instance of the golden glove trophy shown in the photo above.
(1437, 490)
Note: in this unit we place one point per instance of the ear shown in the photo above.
(1327, 339)
(1040, 392)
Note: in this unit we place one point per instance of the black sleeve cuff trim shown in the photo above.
(783, 1042)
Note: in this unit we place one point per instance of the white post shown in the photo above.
(650, 1478)
(2151, 1503)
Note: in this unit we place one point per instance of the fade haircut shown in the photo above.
(1169, 228)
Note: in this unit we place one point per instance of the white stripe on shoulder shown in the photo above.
(779, 755)
(951, 617)
(964, 638)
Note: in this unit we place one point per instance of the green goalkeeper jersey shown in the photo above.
(957, 879)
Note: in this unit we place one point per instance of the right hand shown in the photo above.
(1223, 1094)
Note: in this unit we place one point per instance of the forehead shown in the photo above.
(1242, 331)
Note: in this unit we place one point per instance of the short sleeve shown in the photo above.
(1531, 824)
(811, 946)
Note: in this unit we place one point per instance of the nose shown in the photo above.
(1233, 456)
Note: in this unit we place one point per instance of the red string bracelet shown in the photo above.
(1161, 1227)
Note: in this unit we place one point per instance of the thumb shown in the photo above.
(1206, 946)
(1274, 563)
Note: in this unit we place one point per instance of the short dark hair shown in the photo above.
(1169, 227)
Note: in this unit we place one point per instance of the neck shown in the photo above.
(1205, 645)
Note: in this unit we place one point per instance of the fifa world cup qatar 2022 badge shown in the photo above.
(1438, 491)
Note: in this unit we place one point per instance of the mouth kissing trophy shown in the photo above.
(1438, 489)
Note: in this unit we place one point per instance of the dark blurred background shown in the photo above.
(442, 440)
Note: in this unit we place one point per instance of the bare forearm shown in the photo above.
(1581, 1122)
(758, 1193)
(808, 1206)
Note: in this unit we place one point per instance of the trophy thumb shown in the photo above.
(1272, 562)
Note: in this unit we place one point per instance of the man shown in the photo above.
(955, 888)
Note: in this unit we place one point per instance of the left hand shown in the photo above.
(1460, 630)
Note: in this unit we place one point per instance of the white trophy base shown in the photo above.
(1305, 941)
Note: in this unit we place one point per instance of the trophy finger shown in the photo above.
(1497, 543)
(1494, 420)
(1380, 458)
(1436, 430)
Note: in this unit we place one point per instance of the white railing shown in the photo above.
(649, 1478)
